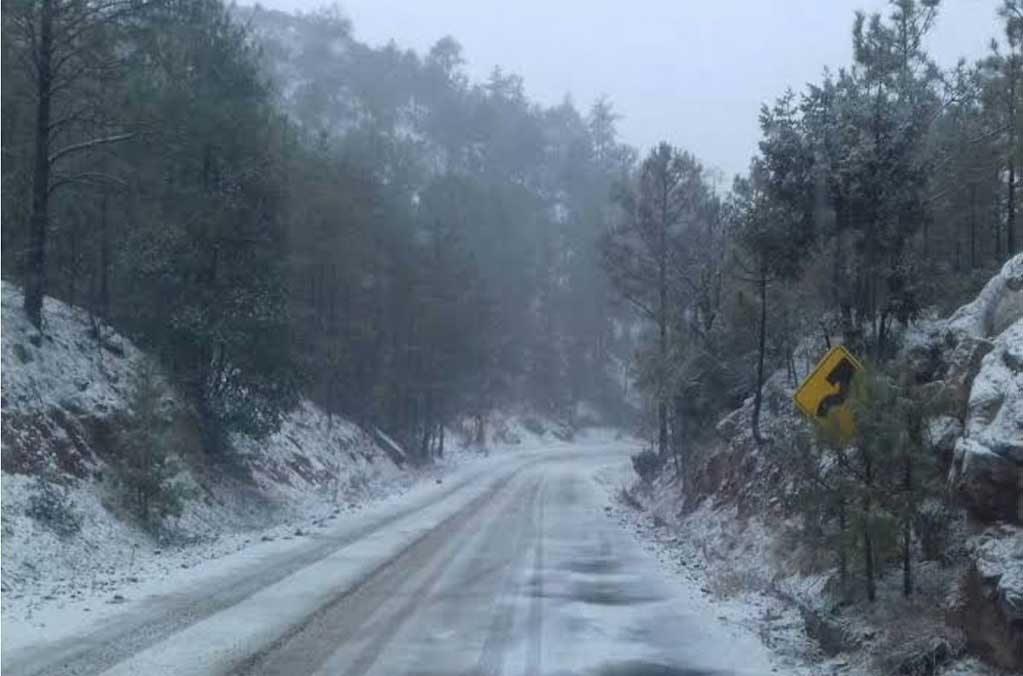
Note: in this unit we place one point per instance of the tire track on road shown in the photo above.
(535, 654)
(495, 646)
(307, 646)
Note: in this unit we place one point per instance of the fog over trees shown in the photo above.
(275, 209)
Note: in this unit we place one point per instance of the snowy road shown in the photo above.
(509, 567)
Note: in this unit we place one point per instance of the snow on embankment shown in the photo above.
(65, 396)
(60, 388)
(67, 535)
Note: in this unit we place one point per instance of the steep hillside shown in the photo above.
(737, 524)
(70, 533)
(66, 396)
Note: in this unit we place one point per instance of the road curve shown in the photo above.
(511, 569)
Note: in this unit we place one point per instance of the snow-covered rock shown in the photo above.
(999, 559)
(987, 471)
(996, 307)
(985, 482)
(922, 348)
(964, 364)
(990, 605)
(942, 432)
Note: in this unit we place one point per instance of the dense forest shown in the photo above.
(277, 209)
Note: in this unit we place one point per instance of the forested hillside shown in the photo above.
(276, 209)
(882, 197)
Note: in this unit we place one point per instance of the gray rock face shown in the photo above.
(964, 365)
(986, 483)
(993, 308)
(992, 611)
(999, 561)
(942, 432)
(987, 469)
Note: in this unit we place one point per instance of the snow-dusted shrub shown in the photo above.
(533, 425)
(50, 505)
(932, 525)
(358, 484)
(647, 464)
(148, 452)
(504, 434)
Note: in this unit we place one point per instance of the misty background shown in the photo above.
(691, 73)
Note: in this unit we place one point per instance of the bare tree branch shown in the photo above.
(87, 145)
(87, 178)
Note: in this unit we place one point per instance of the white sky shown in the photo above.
(691, 72)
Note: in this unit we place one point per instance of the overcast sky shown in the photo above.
(692, 72)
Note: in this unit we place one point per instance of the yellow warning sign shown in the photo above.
(823, 394)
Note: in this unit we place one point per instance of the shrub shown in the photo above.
(533, 425)
(647, 464)
(51, 506)
(148, 448)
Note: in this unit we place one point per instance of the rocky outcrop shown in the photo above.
(943, 432)
(984, 374)
(990, 606)
(996, 307)
(987, 468)
(964, 364)
(985, 482)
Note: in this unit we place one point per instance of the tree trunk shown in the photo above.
(662, 319)
(1010, 221)
(843, 556)
(907, 529)
(868, 540)
(35, 273)
(868, 553)
(957, 257)
(973, 227)
(73, 240)
(104, 258)
(761, 346)
(677, 445)
(480, 432)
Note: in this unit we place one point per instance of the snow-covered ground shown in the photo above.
(109, 559)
